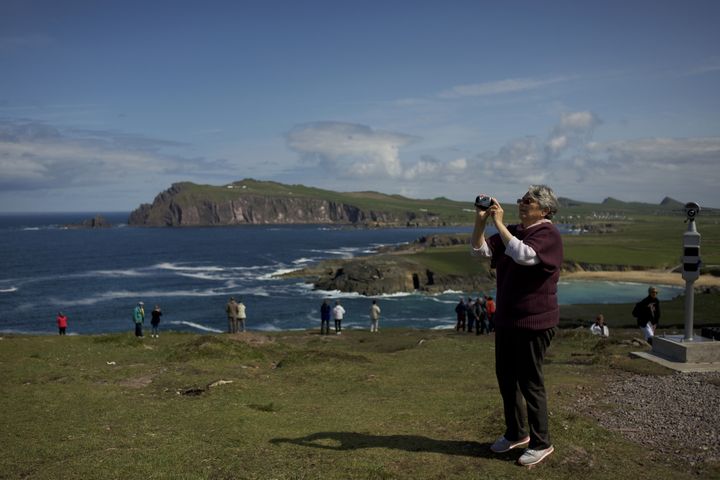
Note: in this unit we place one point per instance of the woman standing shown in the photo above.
(61, 323)
(528, 258)
(155, 321)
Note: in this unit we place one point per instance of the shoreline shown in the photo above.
(659, 277)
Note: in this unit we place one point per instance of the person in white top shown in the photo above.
(338, 314)
(241, 315)
(374, 316)
(599, 327)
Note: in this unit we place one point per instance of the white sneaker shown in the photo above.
(533, 457)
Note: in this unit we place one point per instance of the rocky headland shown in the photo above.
(250, 202)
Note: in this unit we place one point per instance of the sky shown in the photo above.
(104, 103)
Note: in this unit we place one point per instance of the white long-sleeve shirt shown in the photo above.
(521, 253)
(338, 312)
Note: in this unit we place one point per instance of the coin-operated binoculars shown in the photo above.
(691, 265)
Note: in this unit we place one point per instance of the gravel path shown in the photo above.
(677, 415)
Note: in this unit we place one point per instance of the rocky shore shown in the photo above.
(396, 269)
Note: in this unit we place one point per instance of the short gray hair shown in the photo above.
(546, 198)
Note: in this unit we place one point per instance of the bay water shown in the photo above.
(96, 276)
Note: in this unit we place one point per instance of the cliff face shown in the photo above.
(177, 207)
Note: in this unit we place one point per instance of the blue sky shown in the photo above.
(103, 104)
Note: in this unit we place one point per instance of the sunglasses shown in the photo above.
(525, 201)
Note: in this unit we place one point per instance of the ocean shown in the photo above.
(96, 276)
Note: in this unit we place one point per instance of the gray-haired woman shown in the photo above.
(528, 258)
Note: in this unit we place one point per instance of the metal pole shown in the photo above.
(691, 272)
(689, 309)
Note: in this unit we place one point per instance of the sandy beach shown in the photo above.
(658, 277)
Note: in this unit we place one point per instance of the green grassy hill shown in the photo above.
(403, 404)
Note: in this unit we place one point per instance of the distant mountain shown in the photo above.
(568, 202)
(256, 202)
(671, 202)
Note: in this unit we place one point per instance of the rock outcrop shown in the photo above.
(395, 270)
(98, 221)
(385, 274)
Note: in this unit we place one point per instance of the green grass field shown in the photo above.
(403, 404)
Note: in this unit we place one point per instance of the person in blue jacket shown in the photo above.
(139, 319)
(325, 318)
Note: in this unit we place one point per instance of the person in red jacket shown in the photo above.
(490, 309)
(527, 258)
(61, 323)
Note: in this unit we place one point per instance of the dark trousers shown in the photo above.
(338, 325)
(61, 330)
(138, 330)
(519, 355)
(324, 326)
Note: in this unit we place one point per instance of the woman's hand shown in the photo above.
(496, 212)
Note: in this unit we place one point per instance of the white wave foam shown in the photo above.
(197, 326)
(8, 290)
(394, 295)
(443, 327)
(277, 273)
(117, 273)
(452, 292)
(336, 294)
(303, 260)
(118, 294)
(267, 327)
(175, 266)
(345, 252)
(203, 276)
(258, 292)
(447, 302)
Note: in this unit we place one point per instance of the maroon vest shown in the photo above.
(527, 295)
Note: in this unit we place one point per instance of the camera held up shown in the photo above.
(483, 201)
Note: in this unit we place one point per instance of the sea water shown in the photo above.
(97, 276)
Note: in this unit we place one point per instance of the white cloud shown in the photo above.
(35, 155)
(501, 86)
(578, 121)
(571, 160)
(358, 151)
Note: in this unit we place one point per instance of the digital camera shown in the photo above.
(483, 201)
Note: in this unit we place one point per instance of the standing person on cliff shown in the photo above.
(155, 321)
(231, 309)
(374, 316)
(527, 258)
(461, 314)
(338, 314)
(647, 313)
(472, 318)
(139, 319)
(490, 311)
(325, 310)
(241, 316)
(61, 323)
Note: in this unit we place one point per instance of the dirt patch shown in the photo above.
(252, 339)
(137, 382)
(672, 415)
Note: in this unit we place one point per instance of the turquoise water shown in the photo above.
(582, 291)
